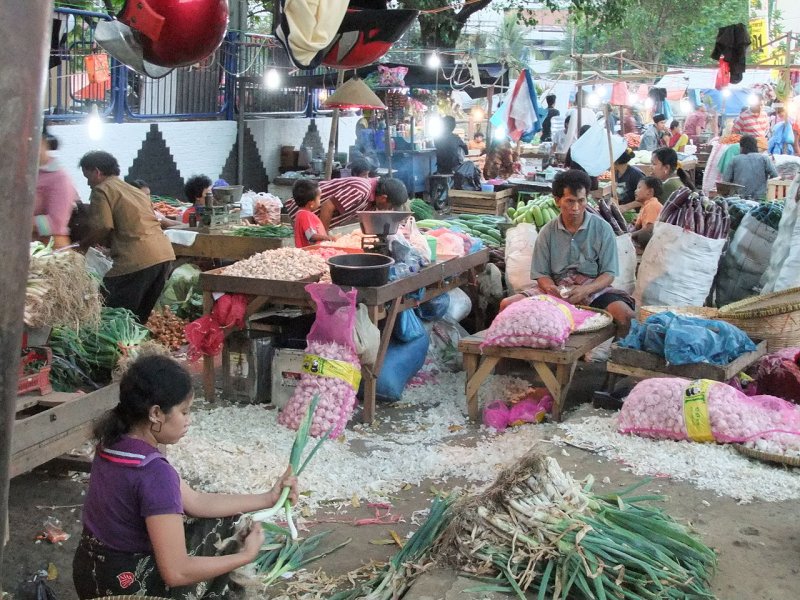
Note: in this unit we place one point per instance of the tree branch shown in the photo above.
(470, 9)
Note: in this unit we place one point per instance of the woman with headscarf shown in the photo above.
(55, 197)
(667, 169)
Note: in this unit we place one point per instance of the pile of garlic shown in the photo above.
(285, 264)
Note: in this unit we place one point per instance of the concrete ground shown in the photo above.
(758, 543)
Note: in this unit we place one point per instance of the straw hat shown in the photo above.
(354, 93)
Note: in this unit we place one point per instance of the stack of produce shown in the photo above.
(60, 291)
(738, 208)
(539, 211)
(610, 212)
(769, 213)
(88, 355)
(694, 212)
(167, 328)
(731, 138)
(348, 240)
(483, 227)
(263, 231)
(286, 264)
(422, 210)
(633, 139)
(537, 531)
(168, 210)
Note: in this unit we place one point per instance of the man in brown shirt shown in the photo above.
(122, 218)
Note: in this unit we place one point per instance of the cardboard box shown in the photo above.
(287, 365)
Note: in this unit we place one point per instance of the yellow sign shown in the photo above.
(338, 369)
(695, 410)
(759, 36)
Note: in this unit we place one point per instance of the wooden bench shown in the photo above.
(480, 362)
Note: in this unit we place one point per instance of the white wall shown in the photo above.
(196, 146)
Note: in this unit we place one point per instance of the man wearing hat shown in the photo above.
(753, 121)
(654, 135)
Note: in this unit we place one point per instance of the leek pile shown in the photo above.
(537, 530)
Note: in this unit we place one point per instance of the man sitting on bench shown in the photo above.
(575, 256)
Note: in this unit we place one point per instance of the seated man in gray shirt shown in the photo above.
(575, 256)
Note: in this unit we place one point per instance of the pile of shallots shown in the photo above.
(286, 264)
(655, 408)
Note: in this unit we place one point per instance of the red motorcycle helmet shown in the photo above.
(155, 36)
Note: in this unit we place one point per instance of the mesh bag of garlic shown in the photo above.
(331, 369)
(705, 411)
(537, 322)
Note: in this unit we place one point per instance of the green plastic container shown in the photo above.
(432, 246)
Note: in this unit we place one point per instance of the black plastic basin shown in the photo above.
(364, 270)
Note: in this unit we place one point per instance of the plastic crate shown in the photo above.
(40, 380)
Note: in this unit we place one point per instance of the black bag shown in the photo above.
(79, 222)
(467, 177)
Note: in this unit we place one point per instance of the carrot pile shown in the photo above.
(166, 209)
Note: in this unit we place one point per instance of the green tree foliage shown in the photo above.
(675, 32)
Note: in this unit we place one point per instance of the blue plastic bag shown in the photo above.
(407, 327)
(684, 340)
(435, 309)
(402, 362)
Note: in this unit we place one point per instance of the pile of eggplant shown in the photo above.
(610, 212)
(694, 212)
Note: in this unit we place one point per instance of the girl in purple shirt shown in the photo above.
(146, 532)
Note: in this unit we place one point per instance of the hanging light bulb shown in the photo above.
(726, 92)
(94, 124)
(434, 62)
(272, 79)
(477, 114)
(648, 103)
(633, 99)
(593, 100)
(753, 100)
(686, 106)
(435, 126)
(499, 133)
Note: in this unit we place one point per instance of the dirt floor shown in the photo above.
(758, 543)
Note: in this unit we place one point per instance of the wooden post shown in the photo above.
(621, 107)
(579, 96)
(334, 128)
(489, 99)
(388, 142)
(607, 114)
(24, 43)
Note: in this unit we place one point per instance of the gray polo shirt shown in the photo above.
(591, 251)
(752, 171)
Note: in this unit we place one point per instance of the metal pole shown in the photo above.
(388, 141)
(24, 43)
(240, 131)
(334, 127)
(579, 95)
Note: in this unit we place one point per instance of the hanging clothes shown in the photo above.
(732, 42)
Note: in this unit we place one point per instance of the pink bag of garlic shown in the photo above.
(704, 411)
(536, 322)
(330, 369)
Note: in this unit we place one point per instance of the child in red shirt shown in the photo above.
(308, 229)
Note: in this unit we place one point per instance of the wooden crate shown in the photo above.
(642, 365)
(481, 203)
(778, 189)
(63, 422)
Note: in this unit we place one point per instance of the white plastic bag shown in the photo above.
(266, 209)
(414, 236)
(784, 265)
(677, 268)
(443, 350)
(98, 263)
(460, 305)
(591, 149)
(626, 259)
(366, 336)
(519, 256)
(744, 263)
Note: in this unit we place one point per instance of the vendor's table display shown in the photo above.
(479, 363)
(640, 364)
(64, 422)
(384, 303)
(228, 247)
(481, 203)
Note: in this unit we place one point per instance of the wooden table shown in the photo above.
(643, 365)
(65, 421)
(228, 247)
(480, 362)
(383, 303)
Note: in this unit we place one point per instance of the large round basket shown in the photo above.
(767, 456)
(696, 311)
(772, 317)
(600, 324)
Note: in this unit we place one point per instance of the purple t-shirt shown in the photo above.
(121, 495)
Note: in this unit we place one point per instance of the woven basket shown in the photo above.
(767, 456)
(698, 311)
(599, 326)
(773, 317)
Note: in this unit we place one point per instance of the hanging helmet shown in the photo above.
(155, 36)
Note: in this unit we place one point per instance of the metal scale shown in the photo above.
(377, 226)
(218, 211)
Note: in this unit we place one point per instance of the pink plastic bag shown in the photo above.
(527, 411)
(655, 408)
(536, 322)
(495, 415)
(331, 368)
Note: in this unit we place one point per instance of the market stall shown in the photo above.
(384, 303)
(226, 246)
